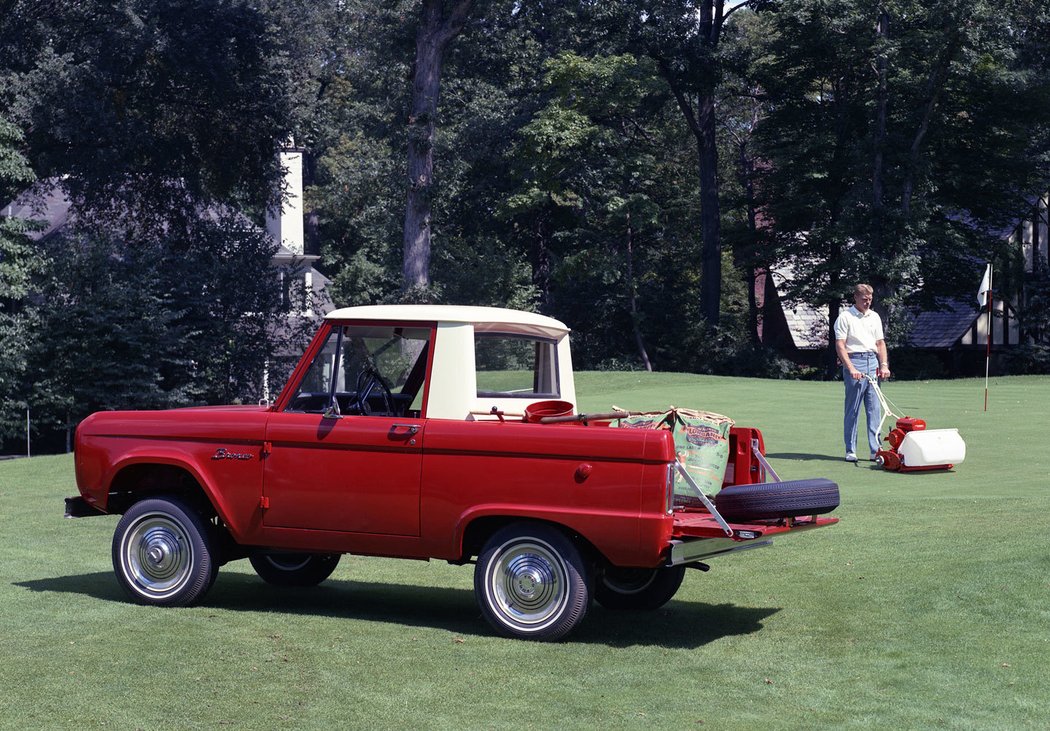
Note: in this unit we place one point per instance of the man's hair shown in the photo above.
(865, 288)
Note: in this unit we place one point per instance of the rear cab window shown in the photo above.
(516, 366)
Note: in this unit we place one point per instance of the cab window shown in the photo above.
(516, 366)
(366, 370)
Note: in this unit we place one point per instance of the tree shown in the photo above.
(134, 321)
(683, 38)
(437, 27)
(139, 102)
(897, 137)
(17, 266)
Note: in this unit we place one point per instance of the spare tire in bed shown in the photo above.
(768, 500)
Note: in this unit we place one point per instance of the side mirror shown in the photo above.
(332, 412)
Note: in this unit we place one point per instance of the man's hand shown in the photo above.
(856, 375)
(884, 372)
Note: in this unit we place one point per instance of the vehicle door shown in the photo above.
(345, 451)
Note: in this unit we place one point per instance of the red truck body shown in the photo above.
(292, 486)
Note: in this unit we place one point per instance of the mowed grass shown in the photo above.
(927, 606)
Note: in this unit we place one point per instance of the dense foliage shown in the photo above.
(624, 165)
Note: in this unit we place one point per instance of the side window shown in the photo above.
(516, 366)
(370, 370)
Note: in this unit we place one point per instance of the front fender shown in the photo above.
(234, 498)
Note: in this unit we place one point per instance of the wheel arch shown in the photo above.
(480, 528)
(146, 475)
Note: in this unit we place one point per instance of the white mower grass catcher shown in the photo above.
(913, 447)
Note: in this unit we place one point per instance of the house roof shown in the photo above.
(45, 202)
(942, 328)
(807, 325)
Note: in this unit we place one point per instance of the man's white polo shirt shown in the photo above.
(861, 332)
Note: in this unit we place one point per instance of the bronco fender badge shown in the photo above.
(223, 453)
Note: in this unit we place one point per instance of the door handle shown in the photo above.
(412, 428)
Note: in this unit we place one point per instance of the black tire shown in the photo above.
(771, 500)
(294, 569)
(531, 582)
(638, 589)
(163, 553)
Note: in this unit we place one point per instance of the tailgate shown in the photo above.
(698, 535)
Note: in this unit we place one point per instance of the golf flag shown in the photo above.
(984, 297)
(986, 286)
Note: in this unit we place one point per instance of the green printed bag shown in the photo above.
(701, 440)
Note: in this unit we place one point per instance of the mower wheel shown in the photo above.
(890, 461)
(771, 500)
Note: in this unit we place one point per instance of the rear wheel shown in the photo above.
(294, 569)
(638, 589)
(531, 582)
(163, 554)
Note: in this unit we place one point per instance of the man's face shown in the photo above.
(862, 300)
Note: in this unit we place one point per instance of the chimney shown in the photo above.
(286, 225)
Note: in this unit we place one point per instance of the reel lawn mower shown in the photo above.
(913, 447)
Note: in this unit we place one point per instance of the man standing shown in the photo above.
(861, 347)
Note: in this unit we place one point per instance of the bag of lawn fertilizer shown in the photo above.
(701, 441)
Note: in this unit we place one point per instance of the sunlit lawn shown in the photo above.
(928, 606)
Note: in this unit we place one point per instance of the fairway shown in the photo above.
(927, 606)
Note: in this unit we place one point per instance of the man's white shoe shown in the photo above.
(851, 457)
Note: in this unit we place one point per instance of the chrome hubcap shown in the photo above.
(528, 584)
(157, 555)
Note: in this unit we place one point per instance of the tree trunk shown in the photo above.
(881, 106)
(832, 359)
(878, 279)
(834, 286)
(540, 261)
(701, 122)
(934, 86)
(435, 32)
(747, 259)
(710, 215)
(632, 293)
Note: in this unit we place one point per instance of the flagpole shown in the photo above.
(988, 349)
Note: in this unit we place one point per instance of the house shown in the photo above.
(798, 331)
(954, 332)
(959, 333)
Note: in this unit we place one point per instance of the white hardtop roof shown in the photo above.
(448, 313)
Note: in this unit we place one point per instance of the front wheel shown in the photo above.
(638, 589)
(294, 569)
(162, 553)
(531, 582)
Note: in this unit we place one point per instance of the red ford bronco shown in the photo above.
(428, 432)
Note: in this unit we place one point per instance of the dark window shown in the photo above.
(372, 370)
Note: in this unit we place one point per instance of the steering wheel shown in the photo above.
(367, 380)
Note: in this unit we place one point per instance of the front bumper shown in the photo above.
(78, 507)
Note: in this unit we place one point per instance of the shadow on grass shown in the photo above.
(677, 625)
(804, 457)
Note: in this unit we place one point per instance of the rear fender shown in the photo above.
(621, 539)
